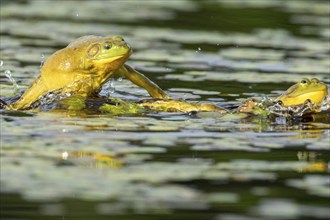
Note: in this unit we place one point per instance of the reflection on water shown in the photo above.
(69, 164)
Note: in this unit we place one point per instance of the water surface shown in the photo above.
(77, 165)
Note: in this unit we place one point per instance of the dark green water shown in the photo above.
(71, 166)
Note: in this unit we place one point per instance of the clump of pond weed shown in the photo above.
(121, 107)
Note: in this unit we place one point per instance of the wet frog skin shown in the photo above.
(82, 68)
(306, 90)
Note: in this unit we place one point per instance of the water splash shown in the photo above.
(112, 88)
(42, 60)
(13, 81)
(108, 88)
(65, 155)
(297, 110)
(184, 96)
(325, 105)
(50, 100)
(198, 50)
(1, 63)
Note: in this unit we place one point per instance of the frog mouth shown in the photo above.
(107, 59)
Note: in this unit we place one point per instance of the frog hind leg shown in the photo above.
(31, 95)
(142, 81)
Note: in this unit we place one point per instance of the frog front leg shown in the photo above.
(31, 95)
(142, 81)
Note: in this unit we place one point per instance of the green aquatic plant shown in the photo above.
(121, 107)
(74, 103)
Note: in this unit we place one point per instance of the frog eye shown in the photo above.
(304, 81)
(118, 38)
(107, 47)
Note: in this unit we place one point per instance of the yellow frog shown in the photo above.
(82, 67)
(306, 90)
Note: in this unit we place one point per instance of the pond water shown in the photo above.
(80, 165)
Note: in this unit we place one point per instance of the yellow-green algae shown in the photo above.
(74, 103)
(121, 107)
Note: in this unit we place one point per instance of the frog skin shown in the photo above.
(82, 68)
(170, 105)
(306, 90)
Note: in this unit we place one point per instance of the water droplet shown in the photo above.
(184, 96)
(65, 155)
(12, 80)
(108, 88)
(112, 87)
(8, 74)
(198, 50)
(120, 79)
(42, 60)
(1, 63)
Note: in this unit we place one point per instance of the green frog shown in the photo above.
(306, 96)
(307, 90)
(82, 68)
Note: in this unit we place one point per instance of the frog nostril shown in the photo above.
(118, 38)
(121, 43)
(315, 80)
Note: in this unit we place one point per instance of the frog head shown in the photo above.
(306, 90)
(85, 64)
(105, 54)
